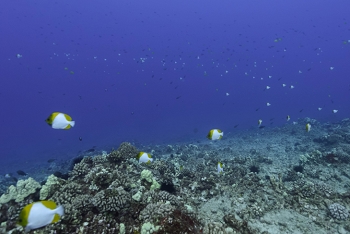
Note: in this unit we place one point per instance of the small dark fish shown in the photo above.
(22, 173)
(80, 138)
(61, 175)
(57, 173)
(132, 112)
(261, 127)
(51, 160)
(257, 109)
(235, 126)
(301, 110)
(178, 97)
(91, 150)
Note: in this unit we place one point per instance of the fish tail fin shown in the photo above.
(72, 123)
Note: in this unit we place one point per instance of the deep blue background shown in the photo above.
(170, 63)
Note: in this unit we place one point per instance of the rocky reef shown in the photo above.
(280, 180)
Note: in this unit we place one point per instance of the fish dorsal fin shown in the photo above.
(49, 204)
(56, 218)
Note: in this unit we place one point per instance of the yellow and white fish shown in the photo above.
(259, 122)
(58, 120)
(39, 214)
(215, 134)
(220, 168)
(268, 104)
(334, 111)
(308, 127)
(288, 117)
(144, 158)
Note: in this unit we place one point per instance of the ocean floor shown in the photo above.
(274, 180)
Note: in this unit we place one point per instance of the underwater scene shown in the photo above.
(213, 117)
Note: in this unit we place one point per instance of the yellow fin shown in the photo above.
(56, 218)
(68, 127)
(49, 204)
(68, 117)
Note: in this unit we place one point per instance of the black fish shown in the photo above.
(178, 97)
(22, 173)
(301, 110)
(61, 175)
(80, 139)
(235, 126)
(261, 127)
(51, 160)
(91, 150)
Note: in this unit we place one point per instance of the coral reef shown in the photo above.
(338, 211)
(23, 189)
(266, 185)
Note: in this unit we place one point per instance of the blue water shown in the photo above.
(164, 71)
